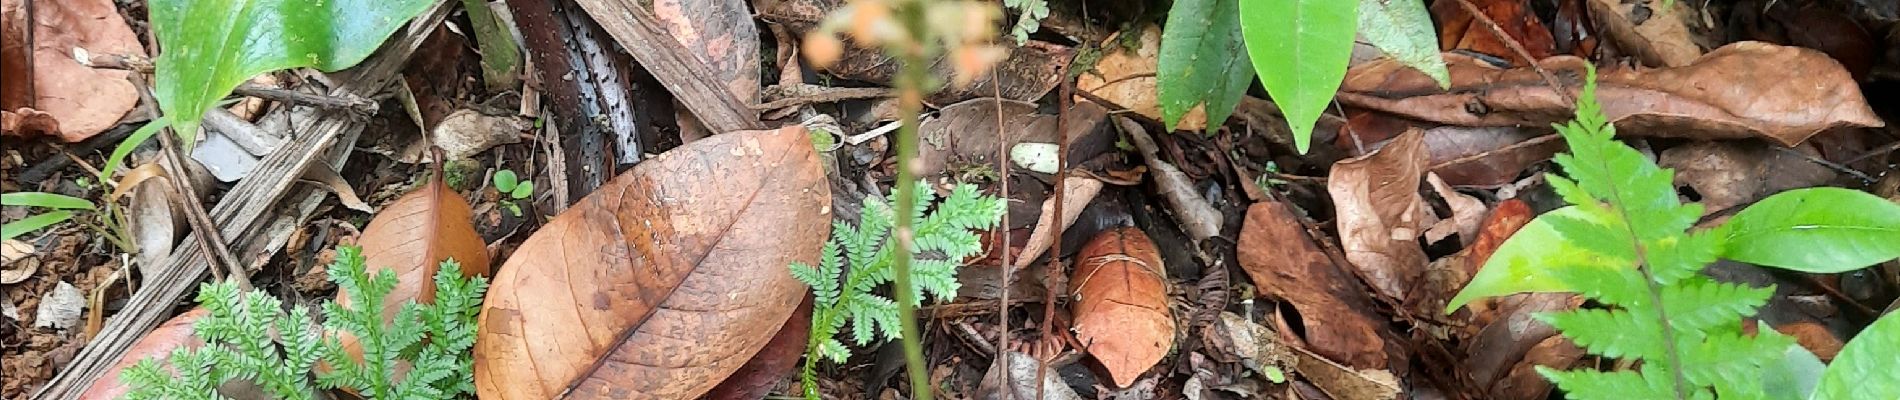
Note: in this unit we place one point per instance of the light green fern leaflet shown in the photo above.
(857, 260)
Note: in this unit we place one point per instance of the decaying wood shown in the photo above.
(590, 85)
(1198, 218)
(690, 80)
(249, 213)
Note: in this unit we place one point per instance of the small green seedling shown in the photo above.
(61, 205)
(512, 189)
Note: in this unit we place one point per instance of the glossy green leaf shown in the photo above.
(1203, 61)
(1868, 367)
(1403, 29)
(132, 142)
(1817, 230)
(16, 228)
(210, 46)
(1525, 261)
(43, 199)
(1300, 49)
(523, 190)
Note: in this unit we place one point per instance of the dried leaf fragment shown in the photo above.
(1284, 263)
(1121, 303)
(663, 281)
(1380, 213)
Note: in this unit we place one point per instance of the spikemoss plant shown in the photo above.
(1627, 242)
(432, 339)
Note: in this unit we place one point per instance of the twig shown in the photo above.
(976, 339)
(1889, 148)
(1002, 306)
(813, 94)
(217, 252)
(46, 168)
(1829, 164)
(1054, 273)
(1518, 48)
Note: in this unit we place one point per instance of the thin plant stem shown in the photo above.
(910, 86)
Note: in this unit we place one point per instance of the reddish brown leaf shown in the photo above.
(412, 236)
(1487, 156)
(1723, 95)
(1284, 263)
(1524, 382)
(773, 363)
(160, 342)
(1380, 213)
(1121, 303)
(1459, 30)
(83, 99)
(1814, 337)
(1505, 220)
(1507, 339)
(658, 284)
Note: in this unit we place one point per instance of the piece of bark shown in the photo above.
(590, 84)
(690, 81)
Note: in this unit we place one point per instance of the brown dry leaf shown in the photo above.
(1723, 95)
(779, 357)
(723, 37)
(660, 282)
(1127, 78)
(1524, 382)
(160, 342)
(1815, 337)
(1121, 303)
(84, 100)
(1458, 30)
(1380, 213)
(965, 134)
(412, 236)
(1653, 33)
(1284, 263)
(1728, 174)
(17, 261)
(1080, 190)
(464, 133)
(1489, 155)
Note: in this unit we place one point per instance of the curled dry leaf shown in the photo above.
(1080, 190)
(1121, 303)
(412, 236)
(660, 282)
(1284, 263)
(17, 261)
(84, 100)
(1467, 213)
(1653, 33)
(1723, 95)
(464, 133)
(173, 334)
(1380, 213)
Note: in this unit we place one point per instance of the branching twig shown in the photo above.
(217, 252)
(1518, 48)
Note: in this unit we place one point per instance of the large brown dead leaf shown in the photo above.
(1729, 174)
(1380, 213)
(773, 363)
(173, 334)
(1653, 33)
(1284, 263)
(85, 101)
(1726, 94)
(663, 281)
(1121, 303)
(412, 236)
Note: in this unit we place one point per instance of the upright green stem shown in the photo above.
(910, 85)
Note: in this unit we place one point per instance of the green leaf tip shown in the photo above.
(1300, 49)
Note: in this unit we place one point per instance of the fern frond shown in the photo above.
(1700, 304)
(1610, 333)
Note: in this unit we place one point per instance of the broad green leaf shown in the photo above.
(1867, 368)
(505, 181)
(1817, 230)
(1300, 49)
(1403, 29)
(210, 46)
(1794, 376)
(1203, 61)
(1523, 263)
(132, 142)
(523, 190)
(16, 228)
(43, 199)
